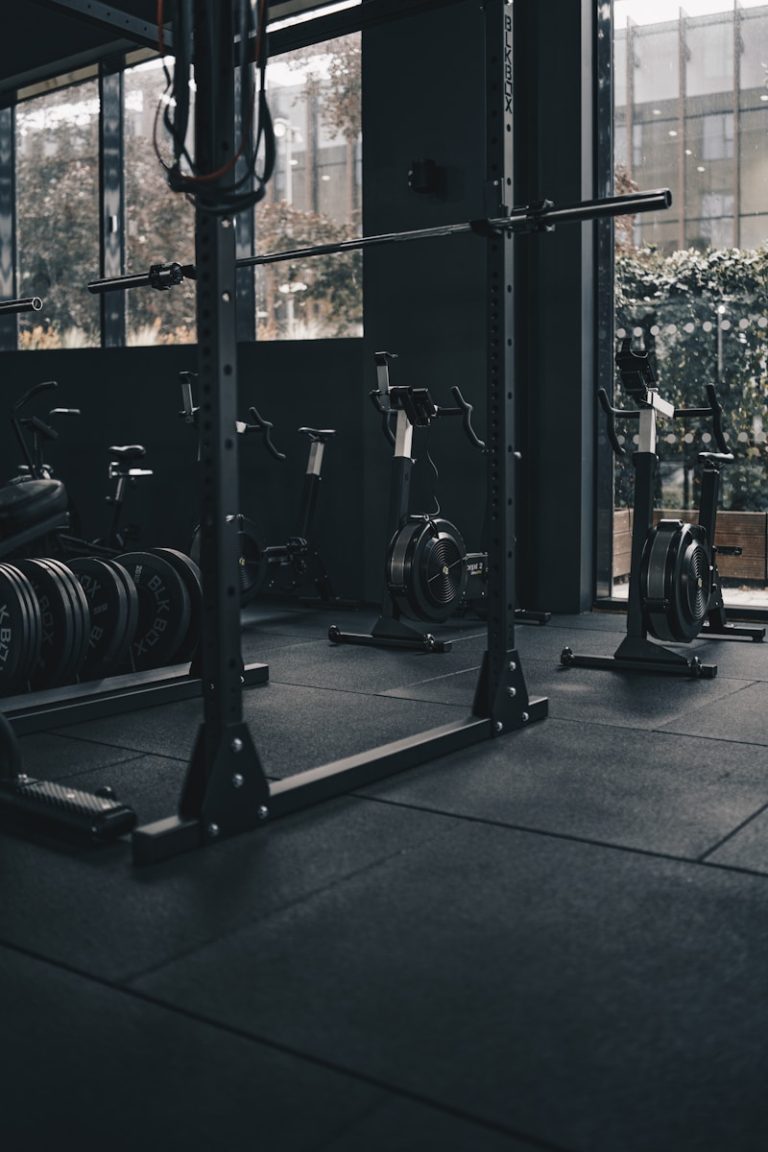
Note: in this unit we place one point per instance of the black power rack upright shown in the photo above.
(226, 790)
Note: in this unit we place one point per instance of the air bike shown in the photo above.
(427, 565)
(675, 593)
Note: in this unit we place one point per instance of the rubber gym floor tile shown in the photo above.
(99, 914)
(748, 848)
(547, 643)
(360, 669)
(659, 793)
(741, 717)
(582, 995)
(592, 621)
(626, 699)
(398, 1125)
(623, 699)
(50, 756)
(99, 1068)
(293, 728)
(741, 658)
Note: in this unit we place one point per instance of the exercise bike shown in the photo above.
(429, 574)
(36, 515)
(295, 567)
(675, 593)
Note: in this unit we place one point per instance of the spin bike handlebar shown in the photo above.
(189, 413)
(24, 399)
(265, 427)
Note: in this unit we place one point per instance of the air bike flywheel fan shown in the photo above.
(426, 569)
(675, 581)
(674, 585)
(427, 565)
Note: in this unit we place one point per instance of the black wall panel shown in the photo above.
(423, 99)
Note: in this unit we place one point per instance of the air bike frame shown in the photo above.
(226, 790)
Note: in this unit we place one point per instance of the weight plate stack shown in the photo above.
(190, 574)
(113, 603)
(426, 569)
(164, 610)
(81, 612)
(65, 622)
(675, 580)
(20, 630)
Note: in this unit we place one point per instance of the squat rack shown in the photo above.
(226, 790)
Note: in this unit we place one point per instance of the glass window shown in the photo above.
(709, 53)
(314, 196)
(689, 284)
(57, 213)
(656, 52)
(160, 224)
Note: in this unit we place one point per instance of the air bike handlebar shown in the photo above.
(541, 216)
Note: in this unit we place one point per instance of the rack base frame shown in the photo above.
(163, 839)
(97, 699)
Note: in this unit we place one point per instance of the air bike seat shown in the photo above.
(30, 509)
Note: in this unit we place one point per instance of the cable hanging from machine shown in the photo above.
(219, 192)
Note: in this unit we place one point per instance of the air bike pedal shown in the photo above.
(96, 817)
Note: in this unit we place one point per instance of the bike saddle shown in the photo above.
(128, 452)
(321, 434)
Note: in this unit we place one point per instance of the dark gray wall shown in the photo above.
(423, 98)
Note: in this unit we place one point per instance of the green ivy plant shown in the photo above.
(703, 316)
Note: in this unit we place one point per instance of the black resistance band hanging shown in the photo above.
(220, 191)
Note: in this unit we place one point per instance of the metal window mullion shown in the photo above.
(111, 204)
(245, 234)
(9, 325)
(737, 47)
(605, 242)
(682, 137)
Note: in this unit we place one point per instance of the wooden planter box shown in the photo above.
(745, 530)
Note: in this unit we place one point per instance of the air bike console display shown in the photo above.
(674, 586)
(226, 790)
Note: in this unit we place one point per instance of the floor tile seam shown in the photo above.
(121, 747)
(101, 767)
(568, 837)
(703, 859)
(378, 693)
(380, 1084)
(710, 738)
(130, 978)
(356, 1074)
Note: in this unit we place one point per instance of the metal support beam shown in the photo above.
(225, 785)
(9, 326)
(501, 692)
(112, 18)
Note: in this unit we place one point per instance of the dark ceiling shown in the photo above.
(48, 37)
